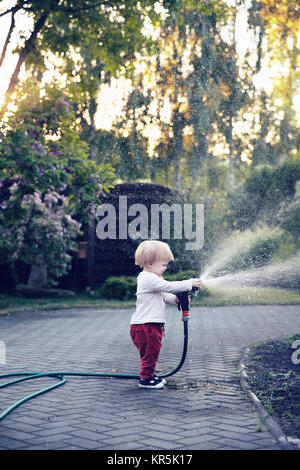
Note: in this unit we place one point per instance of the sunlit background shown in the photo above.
(111, 97)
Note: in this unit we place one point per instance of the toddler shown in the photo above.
(153, 292)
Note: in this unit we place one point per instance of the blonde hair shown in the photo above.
(150, 251)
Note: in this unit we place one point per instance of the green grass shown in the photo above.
(217, 296)
(10, 304)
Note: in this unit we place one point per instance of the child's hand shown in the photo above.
(196, 283)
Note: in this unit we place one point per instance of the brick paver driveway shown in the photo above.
(203, 408)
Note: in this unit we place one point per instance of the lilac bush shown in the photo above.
(48, 184)
(45, 228)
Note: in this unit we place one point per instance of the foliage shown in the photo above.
(50, 145)
(148, 194)
(133, 148)
(262, 195)
(46, 178)
(277, 26)
(181, 275)
(269, 253)
(44, 227)
(216, 9)
(191, 74)
(41, 150)
(281, 19)
(256, 252)
(122, 288)
(289, 215)
(60, 26)
(211, 192)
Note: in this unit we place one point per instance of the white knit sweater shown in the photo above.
(153, 292)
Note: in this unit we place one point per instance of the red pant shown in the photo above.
(147, 337)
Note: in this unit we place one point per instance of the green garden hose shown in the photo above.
(24, 376)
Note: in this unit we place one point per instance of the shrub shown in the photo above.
(290, 215)
(48, 184)
(124, 287)
(248, 249)
(262, 196)
(121, 288)
(181, 275)
(46, 228)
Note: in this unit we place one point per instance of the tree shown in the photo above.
(264, 195)
(197, 76)
(170, 81)
(185, 42)
(278, 23)
(46, 180)
(264, 151)
(41, 150)
(115, 27)
(45, 229)
(131, 143)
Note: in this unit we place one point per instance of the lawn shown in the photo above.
(216, 296)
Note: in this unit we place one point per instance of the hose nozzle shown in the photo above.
(184, 302)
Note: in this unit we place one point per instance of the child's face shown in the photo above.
(158, 267)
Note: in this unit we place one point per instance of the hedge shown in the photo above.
(124, 287)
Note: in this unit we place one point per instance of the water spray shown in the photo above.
(233, 264)
(183, 305)
(285, 273)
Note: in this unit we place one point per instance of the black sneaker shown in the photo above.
(163, 380)
(155, 383)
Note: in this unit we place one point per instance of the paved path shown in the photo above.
(204, 408)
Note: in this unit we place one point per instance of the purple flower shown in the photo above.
(65, 103)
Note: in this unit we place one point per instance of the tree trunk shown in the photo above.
(11, 28)
(177, 123)
(29, 45)
(38, 273)
(92, 139)
(231, 180)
